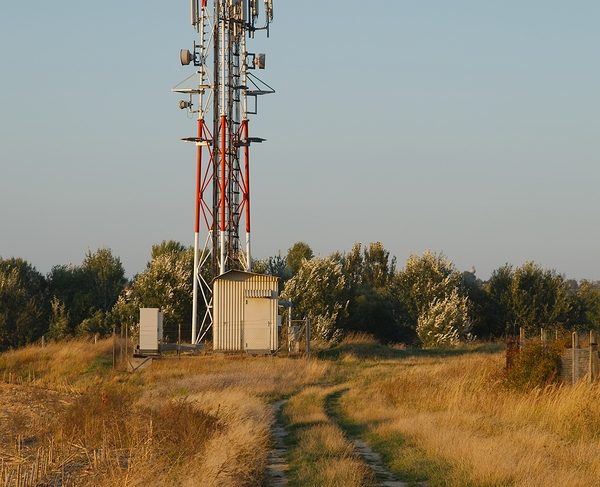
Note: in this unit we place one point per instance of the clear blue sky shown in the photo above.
(462, 126)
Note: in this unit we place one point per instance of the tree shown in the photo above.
(434, 295)
(538, 297)
(74, 288)
(378, 267)
(425, 279)
(89, 290)
(318, 292)
(445, 322)
(373, 307)
(167, 247)
(275, 265)
(529, 297)
(99, 323)
(483, 311)
(296, 254)
(59, 320)
(107, 278)
(500, 314)
(23, 306)
(166, 283)
(587, 295)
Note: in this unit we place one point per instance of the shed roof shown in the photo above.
(235, 273)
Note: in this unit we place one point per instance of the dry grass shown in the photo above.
(265, 377)
(237, 391)
(184, 421)
(67, 418)
(458, 411)
(65, 366)
(321, 456)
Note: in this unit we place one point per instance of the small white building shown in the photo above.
(245, 315)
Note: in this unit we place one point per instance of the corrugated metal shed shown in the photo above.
(245, 312)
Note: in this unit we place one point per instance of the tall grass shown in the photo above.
(459, 411)
(183, 421)
(58, 365)
(237, 390)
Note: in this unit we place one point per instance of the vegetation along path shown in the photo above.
(383, 476)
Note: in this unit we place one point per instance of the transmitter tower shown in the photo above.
(220, 95)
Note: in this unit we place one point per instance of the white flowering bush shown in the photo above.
(446, 322)
(426, 278)
(317, 292)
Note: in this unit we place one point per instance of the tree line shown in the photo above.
(428, 302)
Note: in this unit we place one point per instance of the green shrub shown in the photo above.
(535, 366)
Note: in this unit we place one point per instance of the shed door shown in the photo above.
(257, 326)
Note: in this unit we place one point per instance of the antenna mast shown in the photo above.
(225, 87)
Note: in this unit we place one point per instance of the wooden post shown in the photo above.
(521, 338)
(307, 321)
(544, 338)
(593, 372)
(574, 354)
(114, 347)
(121, 332)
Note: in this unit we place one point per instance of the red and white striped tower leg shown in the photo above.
(246, 196)
(223, 169)
(198, 209)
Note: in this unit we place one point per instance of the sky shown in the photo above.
(464, 127)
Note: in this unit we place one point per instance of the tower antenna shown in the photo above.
(222, 95)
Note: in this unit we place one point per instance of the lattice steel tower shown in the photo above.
(221, 93)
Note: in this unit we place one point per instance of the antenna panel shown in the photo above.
(194, 12)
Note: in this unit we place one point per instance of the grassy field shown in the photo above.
(439, 418)
(184, 421)
(449, 419)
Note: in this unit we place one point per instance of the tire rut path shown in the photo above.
(277, 466)
(383, 476)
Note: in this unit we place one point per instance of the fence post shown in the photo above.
(543, 338)
(307, 333)
(575, 347)
(593, 372)
(289, 333)
(114, 347)
(521, 338)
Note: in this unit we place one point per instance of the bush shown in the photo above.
(318, 292)
(446, 322)
(535, 366)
